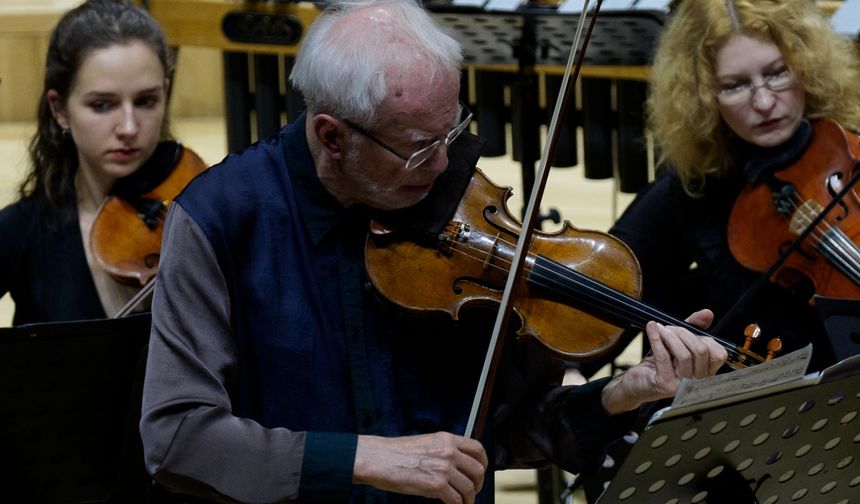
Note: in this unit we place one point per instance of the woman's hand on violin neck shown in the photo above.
(439, 466)
(676, 353)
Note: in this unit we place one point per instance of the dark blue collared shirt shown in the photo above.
(291, 336)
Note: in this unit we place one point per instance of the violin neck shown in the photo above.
(597, 298)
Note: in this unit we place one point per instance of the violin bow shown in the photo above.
(136, 300)
(735, 309)
(481, 403)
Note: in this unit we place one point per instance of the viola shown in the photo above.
(579, 291)
(767, 219)
(125, 238)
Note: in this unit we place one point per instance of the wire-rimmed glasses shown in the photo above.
(741, 92)
(420, 156)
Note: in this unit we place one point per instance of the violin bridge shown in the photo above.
(804, 215)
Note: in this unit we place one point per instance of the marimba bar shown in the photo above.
(518, 53)
(509, 49)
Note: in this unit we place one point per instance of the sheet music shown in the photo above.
(846, 19)
(503, 5)
(575, 6)
(783, 369)
(468, 3)
(661, 5)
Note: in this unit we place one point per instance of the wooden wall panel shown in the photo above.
(25, 27)
(198, 86)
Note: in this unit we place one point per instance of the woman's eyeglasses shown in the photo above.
(741, 92)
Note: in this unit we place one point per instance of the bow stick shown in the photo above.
(481, 403)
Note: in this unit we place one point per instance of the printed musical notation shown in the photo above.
(787, 368)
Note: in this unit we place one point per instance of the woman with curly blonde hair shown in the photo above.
(684, 111)
(736, 86)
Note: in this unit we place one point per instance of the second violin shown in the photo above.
(126, 234)
(768, 217)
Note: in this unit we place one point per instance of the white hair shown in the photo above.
(341, 70)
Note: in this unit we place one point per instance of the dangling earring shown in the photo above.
(67, 133)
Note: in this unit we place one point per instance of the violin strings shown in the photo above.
(833, 244)
(633, 311)
(629, 305)
(842, 252)
(636, 313)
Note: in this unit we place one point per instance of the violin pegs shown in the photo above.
(751, 333)
(774, 347)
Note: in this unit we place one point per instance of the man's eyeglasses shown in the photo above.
(418, 157)
(741, 92)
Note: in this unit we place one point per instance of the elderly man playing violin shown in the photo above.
(276, 373)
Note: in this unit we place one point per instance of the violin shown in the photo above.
(579, 291)
(767, 219)
(125, 238)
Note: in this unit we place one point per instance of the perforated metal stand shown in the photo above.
(622, 38)
(535, 37)
(798, 445)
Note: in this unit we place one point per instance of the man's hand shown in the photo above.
(676, 353)
(439, 466)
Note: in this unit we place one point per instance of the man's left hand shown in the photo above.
(676, 353)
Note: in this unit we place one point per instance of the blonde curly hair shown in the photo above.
(682, 108)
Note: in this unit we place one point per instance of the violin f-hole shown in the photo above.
(834, 186)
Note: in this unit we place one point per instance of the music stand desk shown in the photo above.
(795, 442)
(69, 412)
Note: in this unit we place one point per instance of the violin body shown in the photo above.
(758, 232)
(126, 244)
(470, 264)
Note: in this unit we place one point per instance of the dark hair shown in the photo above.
(96, 24)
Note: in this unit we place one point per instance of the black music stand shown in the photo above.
(841, 319)
(534, 35)
(69, 408)
(794, 442)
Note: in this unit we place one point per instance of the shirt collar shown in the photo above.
(319, 209)
(760, 161)
(321, 212)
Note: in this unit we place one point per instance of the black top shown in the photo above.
(42, 260)
(681, 243)
(44, 266)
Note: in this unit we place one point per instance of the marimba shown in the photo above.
(514, 56)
